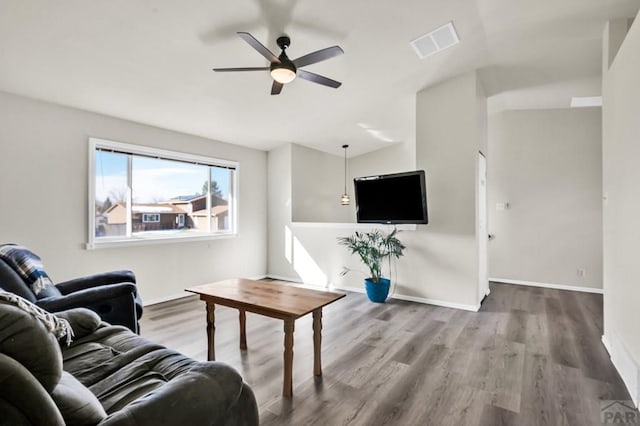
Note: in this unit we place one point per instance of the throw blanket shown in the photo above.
(26, 264)
(59, 327)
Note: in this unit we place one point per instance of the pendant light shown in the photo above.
(344, 200)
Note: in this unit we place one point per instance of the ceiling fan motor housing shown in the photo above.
(283, 42)
(285, 62)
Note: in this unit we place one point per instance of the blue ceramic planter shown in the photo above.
(377, 292)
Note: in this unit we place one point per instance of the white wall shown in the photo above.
(305, 250)
(279, 196)
(394, 159)
(547, 164)
(397, 158)
(318, 179)
(621, 210)
(318, 183)
(449, 123)
(43, 188)
(440, 264)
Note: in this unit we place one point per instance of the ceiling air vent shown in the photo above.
(433, 42)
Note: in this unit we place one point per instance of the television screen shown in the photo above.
(393, 198)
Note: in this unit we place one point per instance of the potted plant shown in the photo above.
(373, 247)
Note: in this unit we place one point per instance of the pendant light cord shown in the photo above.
(345, 167)
(344, 200)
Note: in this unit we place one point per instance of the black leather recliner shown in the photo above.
(108, 376)
(112, 295)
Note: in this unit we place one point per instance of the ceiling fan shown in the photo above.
(283, 70)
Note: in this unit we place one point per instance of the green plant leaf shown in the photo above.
(372, 248)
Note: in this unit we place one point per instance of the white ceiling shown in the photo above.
(150, 61)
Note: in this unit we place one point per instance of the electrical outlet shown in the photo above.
(581, 272)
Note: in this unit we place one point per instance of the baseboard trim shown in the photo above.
(283, 278)
(548, 285)
(176, 296)
(163, 299)
(259, 277)
(423, 300)
(626, 366)
(606, 344)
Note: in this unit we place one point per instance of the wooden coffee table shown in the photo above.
(282, 301)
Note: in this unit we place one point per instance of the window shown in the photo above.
(140, 194)
(150, 217)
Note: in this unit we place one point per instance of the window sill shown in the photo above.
(144, 241)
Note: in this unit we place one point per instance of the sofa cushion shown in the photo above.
(24, 338)
(24, 399)
(29, 267)
(76, 403)
(83, 321)
(11, 281)
(59, 327)
(203, 395)
(11, 415)
(135, 377)
(130, 366)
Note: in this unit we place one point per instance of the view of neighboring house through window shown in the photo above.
(140, 193)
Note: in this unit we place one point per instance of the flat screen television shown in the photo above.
(392, 198)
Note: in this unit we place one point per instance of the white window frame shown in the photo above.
(145, 217)
(94, 242)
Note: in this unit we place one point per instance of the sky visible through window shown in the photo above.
(154, 180)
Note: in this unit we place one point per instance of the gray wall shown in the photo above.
(621, 177)
(547, 164)
(43, 188)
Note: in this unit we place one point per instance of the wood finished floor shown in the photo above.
(531, 356)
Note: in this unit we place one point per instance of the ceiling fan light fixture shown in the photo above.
(282, 69)
(283, 74)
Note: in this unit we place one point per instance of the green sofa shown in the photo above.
(108, 375)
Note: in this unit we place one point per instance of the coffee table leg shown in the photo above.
(211, 331)
(287, 387)
(317, 342)
(243, 329)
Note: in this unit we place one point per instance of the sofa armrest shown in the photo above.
(204, 395)
(83, 321)
(100, 280)
(115, 303)
(88, 296)
(27, 341)
(245, 411)
(96, 280)
(20, 390)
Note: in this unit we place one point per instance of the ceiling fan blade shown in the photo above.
(316, 78)
(317, 56)
(259, 47)
(276, 88)
(241, 69)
